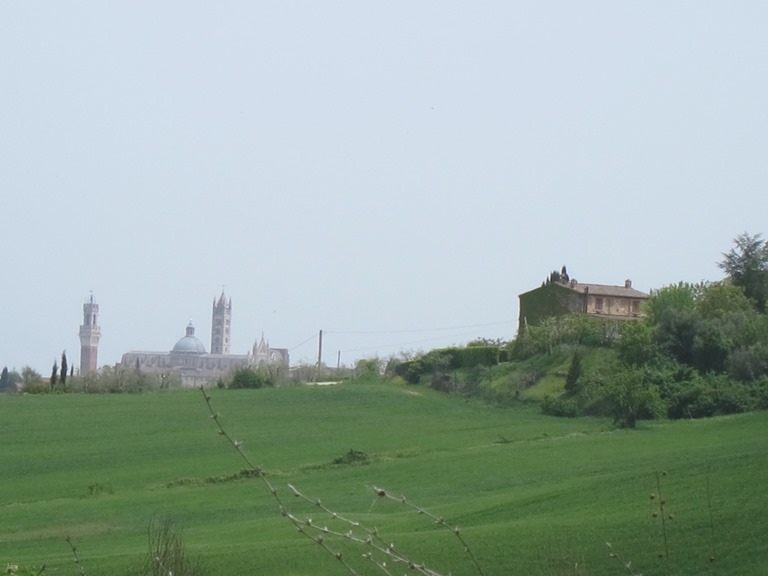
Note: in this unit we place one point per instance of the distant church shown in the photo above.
(196, 367)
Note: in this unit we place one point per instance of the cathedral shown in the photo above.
(197, 367)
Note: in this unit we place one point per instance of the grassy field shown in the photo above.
(531, 494)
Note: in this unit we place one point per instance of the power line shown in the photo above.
(420, 329)
(400, 344)
(302, 343)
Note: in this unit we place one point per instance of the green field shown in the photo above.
(532, 494)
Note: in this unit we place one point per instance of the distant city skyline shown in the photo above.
(394, 174)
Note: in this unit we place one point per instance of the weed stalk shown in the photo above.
(627, 564)
(378, 550)
(713, 551)
(664, 516)
(74, 553)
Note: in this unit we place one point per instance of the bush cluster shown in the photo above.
(107, 380)
(250, 377)
(446, 359)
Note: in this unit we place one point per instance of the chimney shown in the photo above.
(627, 283)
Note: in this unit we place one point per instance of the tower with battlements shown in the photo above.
(90, 333)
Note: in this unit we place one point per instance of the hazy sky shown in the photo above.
(394, 173)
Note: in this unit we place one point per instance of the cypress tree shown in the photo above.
(574, 373)
(64, 369)
(54, 374)
(5, 379)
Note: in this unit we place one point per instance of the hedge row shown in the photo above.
(448, 359)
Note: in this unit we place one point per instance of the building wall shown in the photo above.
(88, 359)
(552, 299)
(613, 305)
(198, 369)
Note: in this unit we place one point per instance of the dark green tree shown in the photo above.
(5, 379)
(711, 346)
(54, 375)
(746, 265)
(64, 367)
(574, 373)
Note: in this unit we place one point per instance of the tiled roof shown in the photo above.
(607, 290)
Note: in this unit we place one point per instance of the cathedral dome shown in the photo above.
(189, 344)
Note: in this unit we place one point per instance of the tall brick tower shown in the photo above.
(90, 332)
(221, 325)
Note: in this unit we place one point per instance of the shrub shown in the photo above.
(352, 457)
(456, 358)
(527, 379)
(472, 356)
(733, 397)
(410, 371)
(474, 378)
(692, 400)
(749, 363)
(711, 395)
(367, 367)
(35, 387)
(167, 554)
(249, 377)
(554, 406)
(443, 381)
(632, 397)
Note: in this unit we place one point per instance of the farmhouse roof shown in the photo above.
(607, 290)
(625, 291)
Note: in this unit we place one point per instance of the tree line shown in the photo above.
(700, 350)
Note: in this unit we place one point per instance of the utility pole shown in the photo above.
(320, 350)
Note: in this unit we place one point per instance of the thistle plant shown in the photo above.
(335, 527)
(627, 564)
(713, 550)
(663, 514)
(167, 555)
(77, 558)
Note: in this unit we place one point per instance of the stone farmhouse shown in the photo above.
(565, 296)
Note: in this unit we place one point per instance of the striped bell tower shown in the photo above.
(221, 325)
(90, 332)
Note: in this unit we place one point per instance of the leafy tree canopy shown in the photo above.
(746, 266)
(680, 296)
(719, 299)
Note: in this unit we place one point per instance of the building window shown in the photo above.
(635, 306)
(598, 304)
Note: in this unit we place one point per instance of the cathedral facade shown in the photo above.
(195, 365)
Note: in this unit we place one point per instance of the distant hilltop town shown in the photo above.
(188, 356)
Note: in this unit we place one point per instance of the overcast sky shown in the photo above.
(394, 173)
